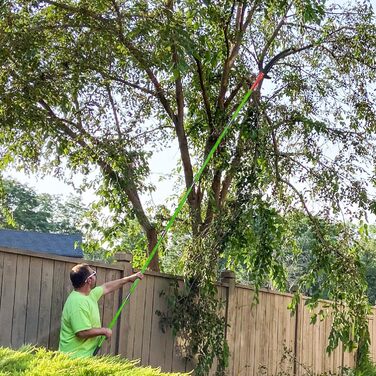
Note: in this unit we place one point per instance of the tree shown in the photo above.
(90, 83)
(369, 259)
(40, 212)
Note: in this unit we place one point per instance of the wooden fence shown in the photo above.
(263, 339)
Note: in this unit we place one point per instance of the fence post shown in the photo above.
(228, 277)
(122, 325)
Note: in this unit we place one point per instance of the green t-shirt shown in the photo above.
(80, 312)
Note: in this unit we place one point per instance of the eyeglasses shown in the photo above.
(91, 275)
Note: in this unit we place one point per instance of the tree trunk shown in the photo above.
(151, 235)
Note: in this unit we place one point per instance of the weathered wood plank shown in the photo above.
(146, 336)
(252, 315)
(231, 320)
(115, 274)
(45, 302)
(7, 299)
(131, 325)
(57, 303)
(140, 317)
(33, 301)
(107, 303)
(169, 350)
(1, 272)
(20, 301)
(244, 339)
(263, 338)
(276, 318)
(124, 317)
(236, 352)
(158, 338)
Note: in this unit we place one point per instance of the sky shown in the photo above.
(161, 165)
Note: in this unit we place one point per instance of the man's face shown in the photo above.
(91, 280)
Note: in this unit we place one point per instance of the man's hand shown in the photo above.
(94, 332)
(133, 277)
(107, 332)
(114, 285)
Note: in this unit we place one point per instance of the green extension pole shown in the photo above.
(196, 178)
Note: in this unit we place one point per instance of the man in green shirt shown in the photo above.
(80, 322)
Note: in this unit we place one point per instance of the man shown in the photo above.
(80, 322)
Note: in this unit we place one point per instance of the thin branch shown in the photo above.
(140, 56)
(233, 93)
(253, 54)
(302, 201)
(130, 84)
(226, 28)
(273, 36)
(250, 15)
(231, 172)
(204, 93)
(276, 92)
(150, 131)
(78, 110)
(245, 81)
(114, 111)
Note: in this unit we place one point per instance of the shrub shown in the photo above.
(36, 361)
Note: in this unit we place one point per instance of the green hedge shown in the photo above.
(37, 361)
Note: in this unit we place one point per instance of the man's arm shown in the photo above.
(117, 283)
(94, 332)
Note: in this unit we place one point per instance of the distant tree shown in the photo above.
(368, 235)
(39, 212)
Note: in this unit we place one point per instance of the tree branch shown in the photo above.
(273, 36)
(235, 91)
(229, 62)
(204, 92)
(130, 84)
(181, 135)
(225, 31)
(82, 10)
(126, 183)
(231, 172)
(114, 111)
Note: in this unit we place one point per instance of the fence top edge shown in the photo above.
(268, 291)
(73, 260)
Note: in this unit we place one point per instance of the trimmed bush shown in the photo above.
(37, 361)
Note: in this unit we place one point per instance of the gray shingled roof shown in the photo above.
(56, 244)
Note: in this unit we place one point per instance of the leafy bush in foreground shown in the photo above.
(35, 361)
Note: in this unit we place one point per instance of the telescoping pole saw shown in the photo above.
(263, 72)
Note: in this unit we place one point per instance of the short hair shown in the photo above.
(79, 274)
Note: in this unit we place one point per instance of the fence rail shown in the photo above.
(263, 338)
